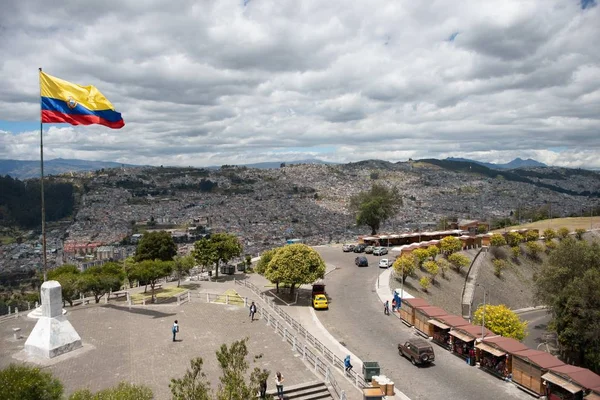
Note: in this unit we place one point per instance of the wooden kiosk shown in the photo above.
(423, 315)
(568, 382)
(407, 309)
(495, 354)
(529, 365)
(462, 339)
(441, 328)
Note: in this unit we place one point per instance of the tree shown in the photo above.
(375, 206)
(444, 266)
(295, 264)
(157, 245)
(549, 234)
(193, 385)
(68, 277)
(150, 271)
(459, 261)
(265, 259)
(123, 391)
(531, 235)
(425, 283)
(563, 232)
(21, 382)
(432, 268)
(128, 266)
(502, 321)
(513, 238)
(499, 265)
(497, 240)
(405, 265)
(182, 266)
(569, 284)
(450, 244)
(433, 251)
(220, 247)
(421, 256)
(232, 361)
(550, 245)
(516, 251)
(481, 229)
(534, 248)
(102, 279)
(579, 232)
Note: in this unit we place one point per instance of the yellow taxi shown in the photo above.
(320, 302)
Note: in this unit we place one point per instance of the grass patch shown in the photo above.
(234, 298)
(572, 223)
(163, 293)
(7, 240)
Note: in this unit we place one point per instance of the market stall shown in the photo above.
(407, 309)
(529, 365)
(495, 354)
(423, 315)
(568, 382)
(462, 340)
(441, 326)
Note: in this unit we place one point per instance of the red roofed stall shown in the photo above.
(407, 309)
(529, 365)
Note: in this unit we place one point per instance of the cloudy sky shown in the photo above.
(239, 81)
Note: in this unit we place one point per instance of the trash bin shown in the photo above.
(370, 369)
(241, 267)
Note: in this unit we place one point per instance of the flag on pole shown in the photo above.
(66, 102)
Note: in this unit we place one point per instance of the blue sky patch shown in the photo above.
(588, 4)
(454, 35)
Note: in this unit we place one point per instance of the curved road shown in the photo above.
(356, 318)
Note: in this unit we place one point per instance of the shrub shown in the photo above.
(531, 236)
(425, 283)
(502, 321)
(444, 266)
(516, 251)
(28, 383)
(432, 268)
(513, 238)
(563, 232)
(550, 245)
(549, 234)
(459, 261)
(497, 240)
(498, 252)
(123, 391)
(499, 265)
(433, 251)
(450, 244)
(421, 255)
(534, 248)
(579, 233)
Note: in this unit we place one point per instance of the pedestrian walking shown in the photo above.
(263, 388)
(252, 311)
(386, 307)
(394, 304)
(347, 365)
(175, 329)
(279, 385)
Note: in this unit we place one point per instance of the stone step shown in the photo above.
(305, 391)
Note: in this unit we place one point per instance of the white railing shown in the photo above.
(321, 360)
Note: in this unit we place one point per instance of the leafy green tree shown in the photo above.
(516, 251)
(534, 248)
(432, 269)
(100, 280)
(265, 259)
(20, 382)
(128, 266)
(499, 266)
(444, 266)
(375, 206)
(158, 245)
(550, 245)
(433, 251)
(405, 265)
(123, 391)
(295, 264)
(481, 229)
(450, 244)
(193, 385)
(563, 232)
(497, 240)
(68, 277)
(232, 361)
(220, 247)
(182, 266)
(579, 232)
(531, 235)
(501, 320)
(569, 284)
(459, 261)
(425, 283)
(514, 238)
(549, 234)
(150, 271)
(421, 255)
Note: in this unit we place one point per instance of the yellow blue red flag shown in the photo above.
(66, 102)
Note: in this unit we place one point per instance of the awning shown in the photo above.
(563, 383)
(438, 324)
(489, 349)
(462, 336)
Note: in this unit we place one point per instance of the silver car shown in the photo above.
(380, 251)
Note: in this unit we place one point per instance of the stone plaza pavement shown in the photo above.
(135, 344)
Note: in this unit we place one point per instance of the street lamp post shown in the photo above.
(483, 316)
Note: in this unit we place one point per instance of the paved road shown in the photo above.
(537, 321)
(356, 318)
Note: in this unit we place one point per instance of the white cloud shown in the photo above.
(222, 83)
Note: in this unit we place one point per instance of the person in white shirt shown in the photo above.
(279, 385)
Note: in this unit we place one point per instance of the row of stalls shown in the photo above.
(537, 372)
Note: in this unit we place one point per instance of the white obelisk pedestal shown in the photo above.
(53, 334)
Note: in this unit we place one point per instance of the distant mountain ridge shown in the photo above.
(25, 169)
(516, 163)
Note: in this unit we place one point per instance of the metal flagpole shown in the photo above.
(42, 184)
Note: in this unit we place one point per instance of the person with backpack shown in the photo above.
(175, 329)
(347, 365)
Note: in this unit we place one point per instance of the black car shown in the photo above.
(361, 261)
(359, 248)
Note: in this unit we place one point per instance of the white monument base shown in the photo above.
(52, 337)
(53, 334)
(37, 313)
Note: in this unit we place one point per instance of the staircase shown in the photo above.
(304, 391)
